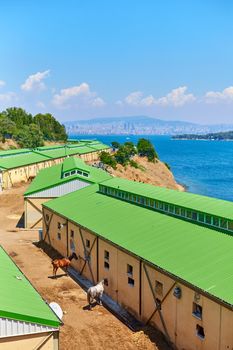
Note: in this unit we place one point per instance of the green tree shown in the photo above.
(51, 129)
(7, 127)
(130, 148)
(30, 137)
(107, 159)
(19, 116)
(146, 149)
(115, 144)
(122, 156)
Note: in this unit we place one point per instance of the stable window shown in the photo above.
(73, 172)
(171, 208)
(158, 288)
(194, 215)
(201, 217)
(160, 205)
(66, 174)
(182, 212)
(106, 265)
(59, 225)
(59, 236)
(166, 207)
(151, 202)
(230, 225)
(129, 269)
(88, 243)
(79, 172)
(197, 310)
(223, 223)
(106, 255)
(200, 331)
(131, 281)
(177, 210)
(215, 221)
(208, 219)
(71, 233)
(189, 214)
(85, 174)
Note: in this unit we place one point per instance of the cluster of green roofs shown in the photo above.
(21, 157)
(30, 131)
(124, 153)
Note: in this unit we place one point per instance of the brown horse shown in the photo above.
(64, 262)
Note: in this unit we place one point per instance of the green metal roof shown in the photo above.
(18, 299)
(21, 160)
(196, 254)
(187, 200)
(12, 152)
(20, 157)
(50, 177)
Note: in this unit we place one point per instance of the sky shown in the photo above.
(168, 59)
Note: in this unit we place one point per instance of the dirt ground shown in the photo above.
(82, 329)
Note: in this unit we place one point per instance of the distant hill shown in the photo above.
(218, 136)
(139, 125)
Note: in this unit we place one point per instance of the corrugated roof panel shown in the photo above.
(60, 190)
(193, 253)
(9, 328)
(18, 299)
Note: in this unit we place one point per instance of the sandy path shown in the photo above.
(96, 329)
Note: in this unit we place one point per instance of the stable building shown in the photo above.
(22, 165)
(167, 255)
(70, 175)
(26, 321)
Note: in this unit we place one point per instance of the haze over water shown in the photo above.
(204, 167)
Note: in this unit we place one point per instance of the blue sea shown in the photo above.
(204, 167)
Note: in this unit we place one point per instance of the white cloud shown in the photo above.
(35, 81)
(40, 104)
(225, 95)
(2, 83)
(8, 97)
(177, 97)
(80, 93)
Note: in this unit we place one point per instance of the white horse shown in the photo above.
(96, 292)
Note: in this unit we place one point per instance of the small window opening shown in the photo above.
(59, 225)
(73, 172)
(85, 174)
(201, 217)
(166, 207)
(208, 219)
(194, 215)
(72, 234)
(200, 331)
(171, 208)
(131, 281)
(158, 303)
(182, 212)
(88, 243)
(129, 269)
(59, 236)
(197, 310)
(47, 217)
(79, 172)
(158, 288)
(106, 265)
(106, 255)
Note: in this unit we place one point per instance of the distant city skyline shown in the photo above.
(166, 59)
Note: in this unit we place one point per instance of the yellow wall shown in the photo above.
(52, 237)
(180, 323)
(29, 342)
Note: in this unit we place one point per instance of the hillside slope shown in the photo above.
(152, 173)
